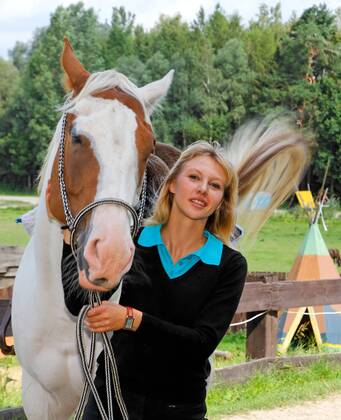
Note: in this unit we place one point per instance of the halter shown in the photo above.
(72, 222)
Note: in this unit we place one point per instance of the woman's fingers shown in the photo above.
(99, 324)
(98, 310)
(106, 317)
(104, 307)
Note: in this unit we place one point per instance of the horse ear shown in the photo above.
(155, 91)
(75, 74)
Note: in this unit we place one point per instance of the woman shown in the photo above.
(180, 295)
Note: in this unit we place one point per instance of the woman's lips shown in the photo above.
(198, 203)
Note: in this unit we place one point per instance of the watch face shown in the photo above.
(129, 323)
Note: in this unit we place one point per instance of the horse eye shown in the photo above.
(76, 139)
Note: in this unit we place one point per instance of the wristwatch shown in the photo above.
(129, 322)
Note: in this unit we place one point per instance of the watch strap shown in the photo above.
(129, 321)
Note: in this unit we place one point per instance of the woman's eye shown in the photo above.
(194, 177)
(215, 186)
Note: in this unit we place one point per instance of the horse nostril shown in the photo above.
(95, 244)
(99, 281)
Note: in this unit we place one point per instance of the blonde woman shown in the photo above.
(180, 295)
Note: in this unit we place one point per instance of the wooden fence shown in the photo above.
(269, 292)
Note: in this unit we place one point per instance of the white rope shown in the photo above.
(248, 320)
(288, 312)
(110, 369)
(315, 313)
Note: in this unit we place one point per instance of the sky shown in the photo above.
(19, 18)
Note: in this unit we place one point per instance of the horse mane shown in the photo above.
(51, 153)
(157, 171)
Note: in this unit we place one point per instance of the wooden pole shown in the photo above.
(262, 335)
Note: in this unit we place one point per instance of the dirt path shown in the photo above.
(24, 199)
(327, 409)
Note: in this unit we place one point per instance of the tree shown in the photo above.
(19, 55)
(8, 83)
(327, 126)
(234, 87)
(120, 39)
(28, 125)
(220, 28)
(309, 64)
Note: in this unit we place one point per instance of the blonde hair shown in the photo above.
(221, 222)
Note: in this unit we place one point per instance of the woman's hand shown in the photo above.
(110, 316)
(107, 317)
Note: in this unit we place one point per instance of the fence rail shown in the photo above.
(269, 292)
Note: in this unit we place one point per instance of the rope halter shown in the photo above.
(73, 222)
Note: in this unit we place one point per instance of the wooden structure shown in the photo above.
(272, 295)
(269, 292)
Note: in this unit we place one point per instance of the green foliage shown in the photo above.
(276, 387)
(120, 39)
(18, 55)
(8, 83)
(10, 382)
(328, 129)
(224, 73)
(27, 127)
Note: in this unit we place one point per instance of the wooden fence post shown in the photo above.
(261, 335)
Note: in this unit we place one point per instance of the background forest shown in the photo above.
(225, 73)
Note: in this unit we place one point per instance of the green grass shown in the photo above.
(279, 241)
(7, 190)
(9, 361)
(275, 388)
(275, 250)
(10, 398)
(10, 232)
(235, 343)
(10, 390)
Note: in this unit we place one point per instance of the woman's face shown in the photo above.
(199, 188)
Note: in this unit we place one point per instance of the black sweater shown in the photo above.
(183, 321)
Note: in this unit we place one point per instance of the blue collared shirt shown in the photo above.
(209, 253)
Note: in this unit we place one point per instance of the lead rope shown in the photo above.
(109, 357)
(110, 362)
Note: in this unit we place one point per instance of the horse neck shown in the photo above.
(47, 240)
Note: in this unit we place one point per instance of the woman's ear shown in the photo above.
(171, 188)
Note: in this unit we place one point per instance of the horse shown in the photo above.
(108, 139)
(95, 167)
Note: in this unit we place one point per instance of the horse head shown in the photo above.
(107, 139)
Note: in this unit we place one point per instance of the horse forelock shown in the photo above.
(102, 81)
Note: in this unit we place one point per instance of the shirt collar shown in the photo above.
(150, 236)
(209, 253)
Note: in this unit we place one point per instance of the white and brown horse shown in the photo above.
(108, 138)
(107, 143)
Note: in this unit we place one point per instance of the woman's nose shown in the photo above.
(203, 187)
